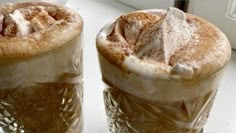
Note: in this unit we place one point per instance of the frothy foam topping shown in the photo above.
(23, 26)
(160, 40)
(32, 28)
(166, 44)
(155, 38)
(23, 21)
(151, 37)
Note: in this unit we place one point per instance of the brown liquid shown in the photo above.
(129, 114)
(42, 108)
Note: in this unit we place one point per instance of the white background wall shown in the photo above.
(216, 11)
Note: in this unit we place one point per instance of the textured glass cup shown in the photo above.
(41, 87)
(142, 99)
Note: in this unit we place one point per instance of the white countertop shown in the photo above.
(95, 14)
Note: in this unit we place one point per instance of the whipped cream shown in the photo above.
(167, 44)
(23, 26)
(23, 21)
(154, 38)
(160, 40)
(42, 20)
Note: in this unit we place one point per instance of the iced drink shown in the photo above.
(162, 69)
(40, 69)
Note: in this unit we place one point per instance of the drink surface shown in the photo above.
(164, 42)
(33, 28)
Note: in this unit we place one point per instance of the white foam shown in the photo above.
(155, 46)
(182, 69)
(23, 26)
(42, 21)
(167, 35)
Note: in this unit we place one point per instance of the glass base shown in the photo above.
(129, 114)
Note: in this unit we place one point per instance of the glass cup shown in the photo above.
(141, 98)
(41, 87)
